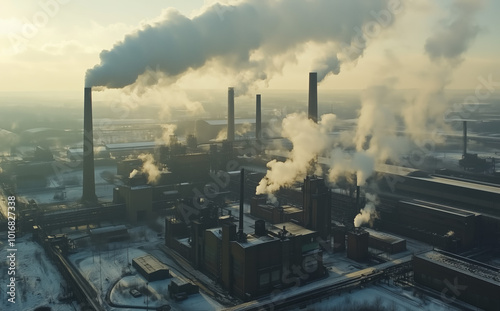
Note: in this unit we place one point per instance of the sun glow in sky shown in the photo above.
(49, 45)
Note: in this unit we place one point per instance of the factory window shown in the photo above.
(264, 279)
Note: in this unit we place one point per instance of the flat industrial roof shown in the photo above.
(224, 121)
(150, 264)
(291, 228)
(464, 265)
(462, 184)
(439, 207)
(391, 239)
(135, 145)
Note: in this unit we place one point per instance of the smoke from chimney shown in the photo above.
(88, 197)
(369, 213)
(230, 114)
(227, 36)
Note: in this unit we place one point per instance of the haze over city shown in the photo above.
(250, 154)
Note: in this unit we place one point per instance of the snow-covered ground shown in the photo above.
(38, 282)
(72, 181)
(391, 297)
(109, 270)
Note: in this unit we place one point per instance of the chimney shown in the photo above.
(230, 114)
(88, 196)
(465, 137)
(357, 196)
(313, 96)
(241, 235)
(258, 118)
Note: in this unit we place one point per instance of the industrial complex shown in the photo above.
(219, 243)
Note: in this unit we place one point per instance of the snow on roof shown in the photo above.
(461, 264)
(149, 264)
(388, 238)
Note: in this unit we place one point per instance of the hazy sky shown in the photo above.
(71, 34)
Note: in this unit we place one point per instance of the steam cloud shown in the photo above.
(239, 131)
(376, 137)
(456, 34)
(309, 140)
(247, 39)
(368, 214)
(149, 168)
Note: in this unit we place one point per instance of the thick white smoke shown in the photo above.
(309, 140)
(150, 168)
(446, 47)
(168, 133)
(246, 39)
(385, 117)
(367, 214)
(456, 33)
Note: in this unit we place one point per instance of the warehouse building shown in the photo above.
(151, 268)
(457, 277)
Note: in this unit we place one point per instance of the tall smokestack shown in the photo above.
(465, 138)
(241, 235)
(313, 96)
(357, 196)
(88, 196)
(258, 118)
(230, 114)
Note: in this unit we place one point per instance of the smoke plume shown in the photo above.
(246, 39)
(446, 48)
(168, 133)
(455, 34)
(309, 140)
(149, 167)
(368, 214)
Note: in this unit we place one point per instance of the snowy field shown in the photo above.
(386, 297)
(109, 270)
(38, 280)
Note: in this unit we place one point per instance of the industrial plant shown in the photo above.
(220, 242)
(250, 155)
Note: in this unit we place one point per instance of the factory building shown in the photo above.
(138, 201)
(357, 244)
(151, 268)
(265, 260)
(315, 213)
(386, 242)
(317, 206)
(457, 277)
(437, 224)
(275, 214)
